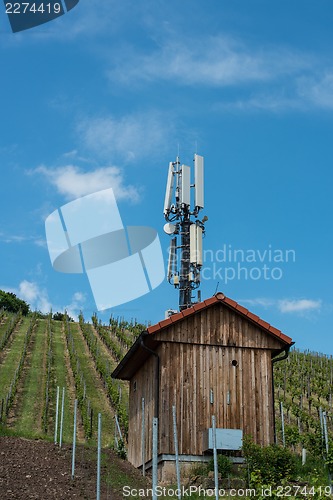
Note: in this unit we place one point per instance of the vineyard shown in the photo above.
(303, 391)
(40, 357)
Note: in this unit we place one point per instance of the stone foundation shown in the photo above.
(167, 466)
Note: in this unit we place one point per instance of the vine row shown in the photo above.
(303, 384)
(80, 383)
(45, 416)
(107, 339)
(126, 331)
(103, 368)
(7, 402)
(13, 321)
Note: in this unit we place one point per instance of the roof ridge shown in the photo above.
(220, 297)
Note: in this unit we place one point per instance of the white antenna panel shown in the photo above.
(193, 243)
(199, 180)
(169, 188)
(199, 245)
(186, 183)
(172, 258)
(196, 245)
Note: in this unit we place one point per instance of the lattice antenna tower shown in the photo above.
(185, 228)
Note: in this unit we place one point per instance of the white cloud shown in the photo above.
(72, 182)
(284, 78)
(302, 93)
(301, 305)
(129, 138)
(272, 101)
(209, 61)
(284, 305)
(38, 299)
(263, 302)
(132, 137)
(317, 91)
(79, 297)
(36, 296)
(14, 238)
(40, 242)
(21, 238)
(75, 306)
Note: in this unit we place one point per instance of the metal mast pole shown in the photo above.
(185, 290)
(183, 221)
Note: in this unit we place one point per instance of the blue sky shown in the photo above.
(104, 96)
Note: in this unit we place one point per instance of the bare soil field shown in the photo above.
(41, 470)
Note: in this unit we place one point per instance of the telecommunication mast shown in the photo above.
(183, 224)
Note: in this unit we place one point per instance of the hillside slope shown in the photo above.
(39, 355)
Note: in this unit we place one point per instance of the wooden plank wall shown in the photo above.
(219, 325)
(144, 380)
(202, 368)
(196, 356)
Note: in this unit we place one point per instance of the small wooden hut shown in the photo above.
(215, 358)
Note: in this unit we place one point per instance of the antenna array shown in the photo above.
(183, 222)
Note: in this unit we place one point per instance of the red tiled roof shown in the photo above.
(221, 298)
(137, 355)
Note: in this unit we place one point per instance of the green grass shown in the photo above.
(94, 388)
(30, 399)
(60, 378)
(12, 358)
(28, 420)
(4, 322)
(106, 356)
(302, 370)
(9, 321)
(117, 478)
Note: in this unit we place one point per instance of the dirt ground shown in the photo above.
(41, 470)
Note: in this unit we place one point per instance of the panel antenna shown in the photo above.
(183, 223)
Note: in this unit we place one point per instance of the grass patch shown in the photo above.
(94, 389)
(4, 322)
(28, 418)
(12, 358)
(108, 359)
(60, 379)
